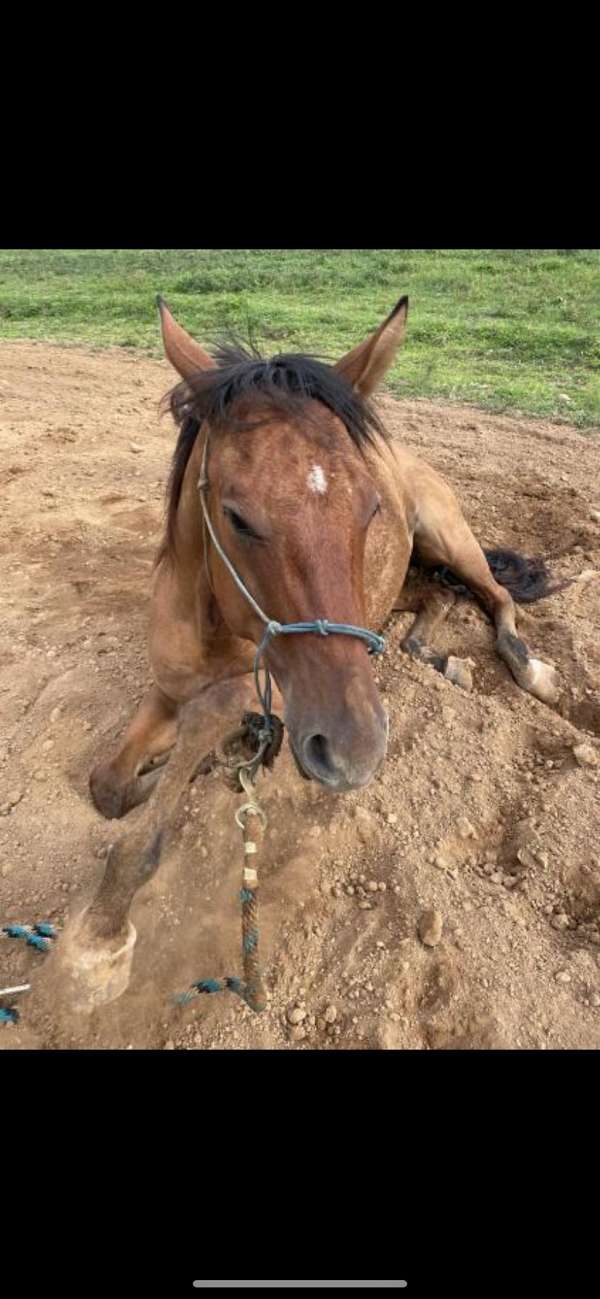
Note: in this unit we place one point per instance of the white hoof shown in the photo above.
(542, 681)
(94, 974)
(458, 671)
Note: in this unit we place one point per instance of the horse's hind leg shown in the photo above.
(444, 538)
(116, 785)
(432, 605)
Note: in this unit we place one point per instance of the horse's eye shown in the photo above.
(239, 524)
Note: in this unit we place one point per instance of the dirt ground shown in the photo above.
(482, 812)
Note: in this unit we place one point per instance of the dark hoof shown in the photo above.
(112, 798)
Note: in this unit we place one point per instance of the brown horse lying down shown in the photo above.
(320, 514)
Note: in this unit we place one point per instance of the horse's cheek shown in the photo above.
(387, 555)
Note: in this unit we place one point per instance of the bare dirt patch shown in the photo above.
(482, 814)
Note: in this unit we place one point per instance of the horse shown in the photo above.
(287, 495)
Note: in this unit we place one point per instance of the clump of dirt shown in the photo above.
(481, 832)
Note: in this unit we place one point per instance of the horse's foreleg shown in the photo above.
(116, 785)
(95, 953)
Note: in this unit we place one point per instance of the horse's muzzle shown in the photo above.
(340, 767)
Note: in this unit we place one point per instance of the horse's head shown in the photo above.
(290, 497)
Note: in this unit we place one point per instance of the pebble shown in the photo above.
(296, 1015)
(465, 829)
(15, 797)
(330, 1015)
(321, 1024)
(366, 824)
(563, 976)
(365, 906)
(382, 886)
(169, 1046)
(47, 746)
(373, 886)
(430, 928)
(595, 999)
(350, 890)
(497, 877)
(297, 1033)
(55, 714)
(135, 447)
(561, 921)
(441, 862)
(392, 819)
(585, 755)
(595, 516)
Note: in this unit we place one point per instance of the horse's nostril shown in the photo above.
(318, 755)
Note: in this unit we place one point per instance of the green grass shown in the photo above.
(514, 330)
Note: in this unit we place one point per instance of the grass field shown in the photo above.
(504, 329)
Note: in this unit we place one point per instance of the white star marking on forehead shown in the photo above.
(317, 481)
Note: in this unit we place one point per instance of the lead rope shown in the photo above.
(252, 821)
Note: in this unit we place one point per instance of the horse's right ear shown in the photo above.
(184, 353)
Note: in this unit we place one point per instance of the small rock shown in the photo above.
(169, 1046)
(465, 829)
(15, 797)
(365, 906)
(595, 516)
(373, 886)
(330, 1015)
(497, 877)
(595, 999)
(392, 819)
(382, 886)
(430, 928)
(321, 1024)
(350, 890)
(47, 746)
(563, 976)
(366, 824)
(55, 714)
(561, 921)
(441, 862)
(297, 1033)
(296, 1015)
(135, 447)
(585, 755)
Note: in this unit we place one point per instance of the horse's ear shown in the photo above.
(366, 364)
(184, 353)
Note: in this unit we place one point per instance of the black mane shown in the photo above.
(284, 384)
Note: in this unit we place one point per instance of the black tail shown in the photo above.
(526, 579)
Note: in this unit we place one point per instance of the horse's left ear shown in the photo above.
(366, 364)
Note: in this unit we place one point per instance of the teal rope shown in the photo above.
(37, 936)
(9, 1016)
